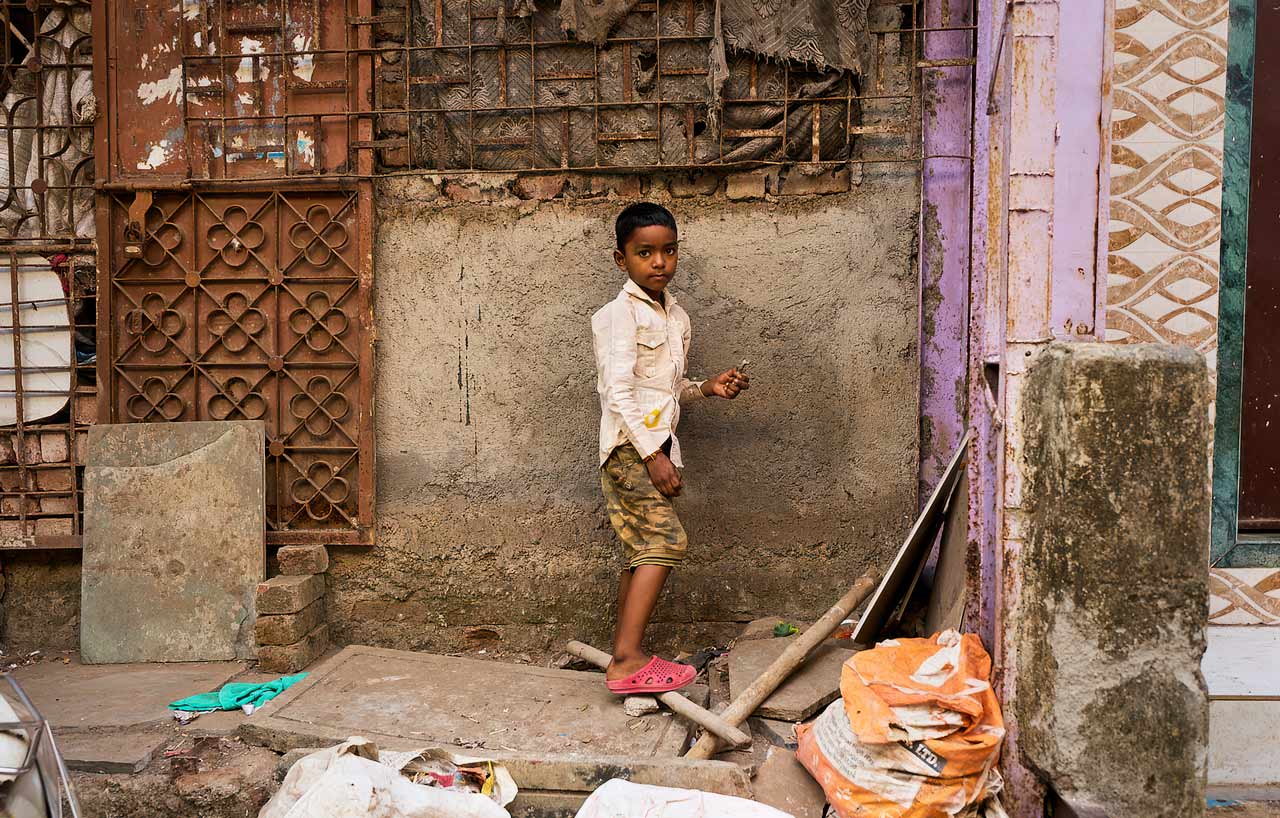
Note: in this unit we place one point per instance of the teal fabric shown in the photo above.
(234, 695)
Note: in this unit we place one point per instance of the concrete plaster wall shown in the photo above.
(489, 509)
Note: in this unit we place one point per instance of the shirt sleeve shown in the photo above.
(687, 390)
(615, 346)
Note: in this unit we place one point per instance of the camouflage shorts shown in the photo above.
(644, 518)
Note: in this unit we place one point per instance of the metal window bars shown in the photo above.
(459, 85)
(47, 392)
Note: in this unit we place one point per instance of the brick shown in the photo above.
(53, 527)
(11, 480)
(13, 505)
(628, 187)
(286, 595)
(86, 409)
(393, 157)
(684, 186)
(58, 505)
(286, 629)
(540, 187)
(295, 657)
(30, 452)
(391, 95)
(390, 125)
(82, 446)
(751, 185)
(463, 192)
(302, 560)
(53, 447)
(809, 180)
(53, 479)
(6, 450)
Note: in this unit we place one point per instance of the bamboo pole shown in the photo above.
(787, 663)
(674, 701)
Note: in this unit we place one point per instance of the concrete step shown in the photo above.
(1242, 670)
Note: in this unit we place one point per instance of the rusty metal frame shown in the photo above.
(351, 133)
(42, 205)
(121, 189)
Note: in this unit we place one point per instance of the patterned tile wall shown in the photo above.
(1169, 85)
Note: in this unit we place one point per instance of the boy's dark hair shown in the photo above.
(641, 214)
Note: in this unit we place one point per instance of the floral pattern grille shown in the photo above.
(251, 306)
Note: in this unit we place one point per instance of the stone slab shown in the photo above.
(814, 685)
(1104, 650)
(127, 750)
(404, 699)
(174, 541)
(80, 696)
(782, 782)
(775, 732)
(113, 718)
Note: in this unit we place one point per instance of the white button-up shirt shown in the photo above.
(642, 350)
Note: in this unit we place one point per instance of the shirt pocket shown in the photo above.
(650, 347)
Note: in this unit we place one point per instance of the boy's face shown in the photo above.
(649, 257)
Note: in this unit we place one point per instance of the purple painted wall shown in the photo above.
(944, 234)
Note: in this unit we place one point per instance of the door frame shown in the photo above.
(1228, 548)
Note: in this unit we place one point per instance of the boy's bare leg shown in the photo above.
(638, 593)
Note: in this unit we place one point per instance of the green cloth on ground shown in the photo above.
(234, 695)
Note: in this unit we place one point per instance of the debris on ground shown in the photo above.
(785, 629)
(915, 716)
(640, 705)
(354, 779)
(624, 799)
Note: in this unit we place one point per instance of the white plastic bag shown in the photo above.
(347, 781)
(622, 799)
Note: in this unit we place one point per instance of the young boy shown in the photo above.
(642, 343)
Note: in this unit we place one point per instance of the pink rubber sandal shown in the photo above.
(659, 676)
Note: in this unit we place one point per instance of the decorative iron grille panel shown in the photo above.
(252, 306)
(47, 392)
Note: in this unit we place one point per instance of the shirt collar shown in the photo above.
(635, 289)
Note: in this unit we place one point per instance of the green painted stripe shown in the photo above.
(1231, 282)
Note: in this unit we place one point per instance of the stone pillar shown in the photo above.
(1112, 709)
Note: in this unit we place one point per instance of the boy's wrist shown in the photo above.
(706, 388)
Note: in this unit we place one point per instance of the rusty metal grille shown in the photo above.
(466, 86)
(252, 306)
(47, 277)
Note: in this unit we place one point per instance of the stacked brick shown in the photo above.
(291, 631)
(38, 475)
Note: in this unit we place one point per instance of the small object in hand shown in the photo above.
(742, 367)
(785, 629)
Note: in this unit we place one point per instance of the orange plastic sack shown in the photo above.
(915, 733)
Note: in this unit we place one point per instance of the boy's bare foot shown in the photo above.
(622, 668)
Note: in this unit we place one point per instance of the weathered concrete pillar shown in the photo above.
(1114, 574)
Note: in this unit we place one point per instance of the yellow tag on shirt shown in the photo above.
(651, 419)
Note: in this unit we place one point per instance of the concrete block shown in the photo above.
(295, 657)
(53, 447)
(812, 687)
(809, 180)
(540, 187)
(286, 629)
(782, 782)
(1109, 699)
(174, 541)
(753, 185)
(287, 595)
(300, 560)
